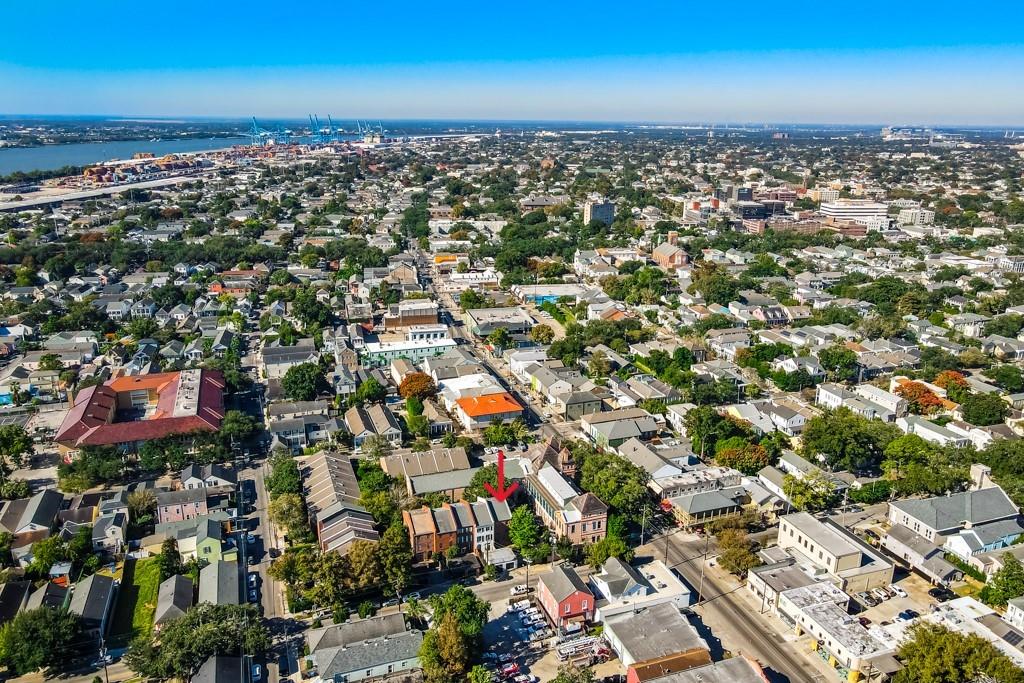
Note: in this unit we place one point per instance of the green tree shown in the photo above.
(714, 283)
(935, 654)
(376, 446)
(288, 510)
(984, 409)
(237, 424)
(615, 480)
(1009, 377)
(610, 546)
(570, 673)
(735, 552)
(839, 362)
(444, 654)
(39, 639)
(284, 475)
(480, 674)
(542, 334)
(15, 444)
(846, 440)
(50, 361)
(1005, 584)
(203, 631)
(395, 555)
(488, 474)
(747, 458)
(500, 338)
(812, 493)
(170, 558)
(524, 531)
(370, 391)
(303, 382)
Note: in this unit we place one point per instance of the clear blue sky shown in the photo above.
(800, 61)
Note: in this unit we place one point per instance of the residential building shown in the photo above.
(92, 599)
(613, 428)
(174, 598)
(219, 583)
(183, 504)
(373, 420)
(128, 410)
(212, 475)
(565, 598)
(580, 517)
(332, 500)
(377, 648)
(477, 412)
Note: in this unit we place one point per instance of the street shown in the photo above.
(726, 614)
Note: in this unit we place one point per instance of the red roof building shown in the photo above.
(128, 410)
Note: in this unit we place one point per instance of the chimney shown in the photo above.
(981, 477)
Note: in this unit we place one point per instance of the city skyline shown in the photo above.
(671, 64)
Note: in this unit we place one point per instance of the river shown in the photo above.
(82, 154)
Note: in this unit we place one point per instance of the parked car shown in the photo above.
(250, 539)
(390, 602)
(941, 593)
(898, 590)
(257, 672)
(415, 595)
(880, 594)
(253, 578)
(867, 599)
(253, 596)
(908, 614)
(864, 621)
(521, 589)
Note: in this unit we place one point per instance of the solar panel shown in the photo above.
(1013, 638)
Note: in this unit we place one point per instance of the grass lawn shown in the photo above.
(136, 599)
(970, 588)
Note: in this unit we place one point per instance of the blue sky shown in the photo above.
(866, 62)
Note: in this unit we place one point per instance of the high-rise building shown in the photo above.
(600, 211)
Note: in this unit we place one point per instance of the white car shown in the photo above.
(898, 590)
(521, 589)
(880, 594)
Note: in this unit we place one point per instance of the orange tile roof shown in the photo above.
(491, 404)
(157, 380)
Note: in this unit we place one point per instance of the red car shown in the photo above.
(510, 669)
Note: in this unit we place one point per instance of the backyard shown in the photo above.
(136, 600)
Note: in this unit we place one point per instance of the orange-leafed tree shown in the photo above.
(922, 400)
(418, 384)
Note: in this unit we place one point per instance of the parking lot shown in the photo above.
(917, 599)
(523, 645)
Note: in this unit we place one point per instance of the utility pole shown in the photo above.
(643, 524)
(103, 658)
(703, 562)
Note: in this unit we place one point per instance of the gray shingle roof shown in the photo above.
(173, 598)
(563, 582)
(950, 512)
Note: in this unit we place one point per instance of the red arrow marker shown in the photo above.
(502, 493)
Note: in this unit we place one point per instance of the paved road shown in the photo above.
(751, 636)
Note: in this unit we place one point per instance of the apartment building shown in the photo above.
(478, 527)
(580, 517)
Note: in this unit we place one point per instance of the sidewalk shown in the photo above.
(769, 622)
